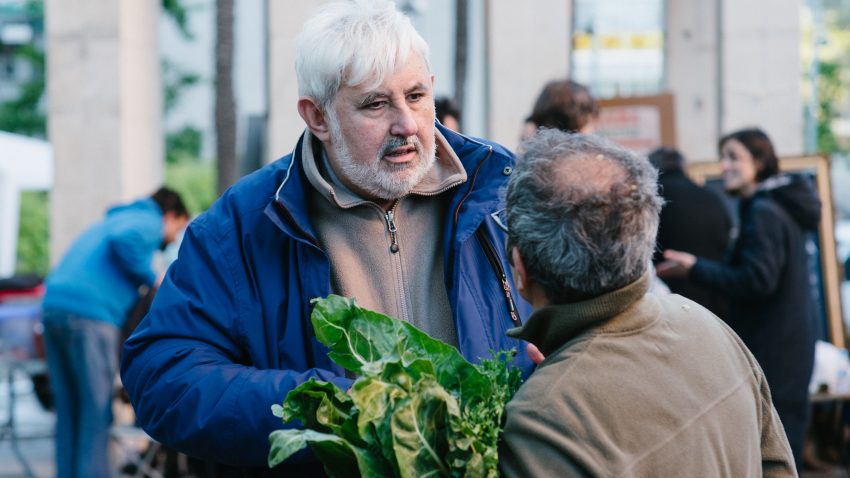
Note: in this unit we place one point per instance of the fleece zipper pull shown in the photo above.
(392, 229)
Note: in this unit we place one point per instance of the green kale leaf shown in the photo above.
(418, 407)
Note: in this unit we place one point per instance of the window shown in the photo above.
(618, 47)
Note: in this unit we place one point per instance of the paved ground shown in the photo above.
(32, 420)
(35, 427)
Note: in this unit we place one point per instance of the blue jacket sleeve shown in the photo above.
(763, 254)
(187, 370)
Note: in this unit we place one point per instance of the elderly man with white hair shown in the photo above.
(633, 384)
(375, 202)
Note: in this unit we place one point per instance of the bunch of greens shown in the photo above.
(417, 409)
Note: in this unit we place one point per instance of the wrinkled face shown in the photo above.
(382, 139)
(739, 168)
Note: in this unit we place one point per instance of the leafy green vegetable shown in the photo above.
(417, 409)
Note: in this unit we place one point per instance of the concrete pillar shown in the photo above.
(761, 70)
(105, 109)
(285, 20)
(528, 45)
(692, 71)
(732, 65)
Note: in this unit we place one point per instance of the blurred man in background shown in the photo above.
(448, 113)
(694, 219)
(88, 296)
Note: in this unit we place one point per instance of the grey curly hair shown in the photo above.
(583, 213)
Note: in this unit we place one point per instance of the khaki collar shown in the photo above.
(446, 173)
(552, 326)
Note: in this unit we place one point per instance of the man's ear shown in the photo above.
(315, 118)
(520, 273)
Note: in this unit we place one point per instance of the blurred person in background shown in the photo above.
(564, 105)
(87, 299)
(633, 384)
(766, 276)
(377, 201)
(448, 113)
(694, 219)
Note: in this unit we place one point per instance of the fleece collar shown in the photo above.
(446, 173)
(552, 326)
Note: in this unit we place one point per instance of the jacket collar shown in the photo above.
(446, 173)
(552, 326)
(288, 209)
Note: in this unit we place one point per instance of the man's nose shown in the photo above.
(404, 123)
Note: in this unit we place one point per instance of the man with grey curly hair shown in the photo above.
(632, 384)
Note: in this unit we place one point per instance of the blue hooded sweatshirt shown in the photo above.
(99, 276)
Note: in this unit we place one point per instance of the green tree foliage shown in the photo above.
(830, 89)
(24, 114)
(195, 181)
(175, 80)
(33, 255)
(183, 145)
(178, 12)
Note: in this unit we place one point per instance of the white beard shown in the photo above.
(379, 178)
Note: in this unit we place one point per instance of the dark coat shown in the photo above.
(695, 220)
(767, 280)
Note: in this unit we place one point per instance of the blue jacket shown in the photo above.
(229, 331)
(99, 276)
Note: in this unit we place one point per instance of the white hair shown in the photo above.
(355, 42)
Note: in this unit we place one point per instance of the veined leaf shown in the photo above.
(319, 405)
(362, 341)
(420, 428)
(340, 458)
(418, 409)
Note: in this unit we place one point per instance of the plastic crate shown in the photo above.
(18, 324)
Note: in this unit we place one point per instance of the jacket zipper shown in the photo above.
(391, 227)
(490, 252)
(451, 261)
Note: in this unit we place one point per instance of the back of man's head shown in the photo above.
(667, 160)
(169, 201)
(353, 42)
(583, 213)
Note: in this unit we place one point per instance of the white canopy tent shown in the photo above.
(25, 164)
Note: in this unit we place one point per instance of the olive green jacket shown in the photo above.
(641, 385)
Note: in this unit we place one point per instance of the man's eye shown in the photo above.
(376, 105)
(415, 96)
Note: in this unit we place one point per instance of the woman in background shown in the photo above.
(766, 276)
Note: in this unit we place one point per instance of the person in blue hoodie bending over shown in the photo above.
(88, 296)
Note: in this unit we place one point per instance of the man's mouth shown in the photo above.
(399, 155)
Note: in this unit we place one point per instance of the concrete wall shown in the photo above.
(528, 45)
(732, 65)
(104, 115)
(285, 20)
(761, 70)
(692, 72)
